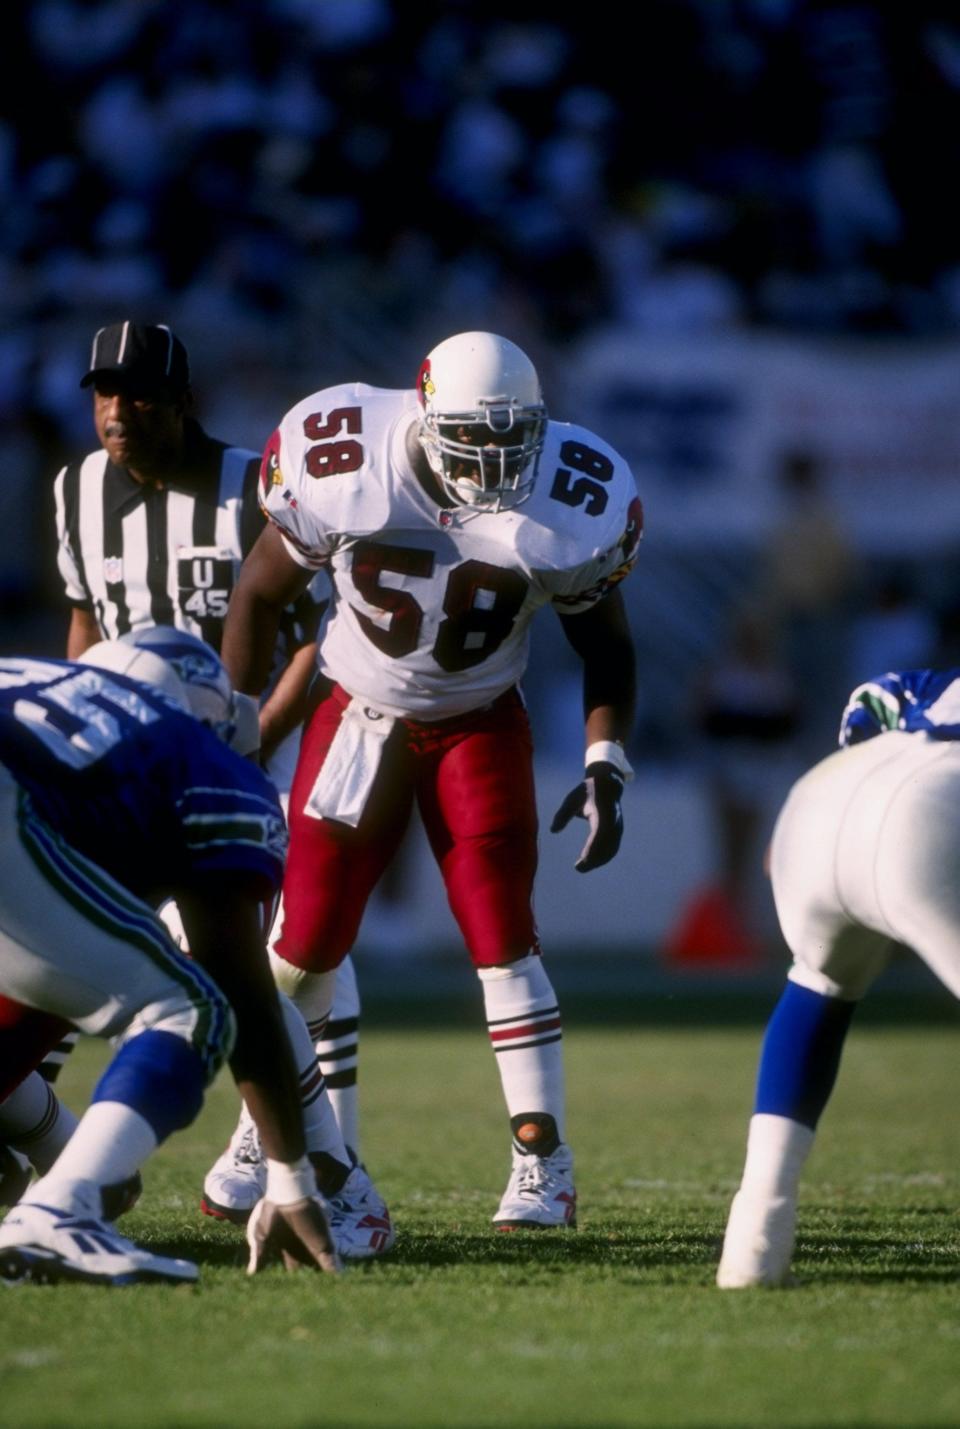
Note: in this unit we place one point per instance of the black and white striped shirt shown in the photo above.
(135, 555)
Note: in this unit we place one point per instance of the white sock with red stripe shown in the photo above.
(523, 1021)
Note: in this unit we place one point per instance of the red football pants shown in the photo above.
(26, 1036)
(472, 779)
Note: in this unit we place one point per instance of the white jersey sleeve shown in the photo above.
(586, 518)
(324, 469)
(432, 605)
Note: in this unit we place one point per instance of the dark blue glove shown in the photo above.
(596, 799)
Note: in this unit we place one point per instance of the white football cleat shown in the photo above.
(540, 1194)
(359, 1218)
(238, 1179)
(758, 1243)
(47, 1245)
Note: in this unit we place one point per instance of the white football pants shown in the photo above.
(74, 943)
(866, 851)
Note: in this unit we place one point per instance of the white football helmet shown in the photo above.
(182, 665)
(483, 422)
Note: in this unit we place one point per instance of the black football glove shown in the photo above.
(299, 1234)
(596, 799)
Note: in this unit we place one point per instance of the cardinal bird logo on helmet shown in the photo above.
(425, 387)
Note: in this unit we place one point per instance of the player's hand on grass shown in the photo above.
(299, 1234)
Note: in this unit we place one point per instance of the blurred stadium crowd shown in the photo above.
(314, 190)
(310, 188)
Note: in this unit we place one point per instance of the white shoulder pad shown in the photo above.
(588, 518)
(326, 468)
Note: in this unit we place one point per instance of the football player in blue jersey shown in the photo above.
(117, 788)
(864, 857)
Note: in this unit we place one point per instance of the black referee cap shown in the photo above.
(150, 356)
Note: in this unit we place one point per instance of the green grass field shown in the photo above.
(618, 1323)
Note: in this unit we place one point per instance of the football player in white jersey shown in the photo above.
(446, 515)
(864, 856)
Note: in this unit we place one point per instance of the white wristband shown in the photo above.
(607, 751)
(289, 1182)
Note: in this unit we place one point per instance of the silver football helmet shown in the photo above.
(482, 420)
(179, 664)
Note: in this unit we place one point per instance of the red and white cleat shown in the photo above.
(359, 1218)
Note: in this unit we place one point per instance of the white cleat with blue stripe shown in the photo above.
(48, 1244)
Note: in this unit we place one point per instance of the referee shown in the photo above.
(152, 529)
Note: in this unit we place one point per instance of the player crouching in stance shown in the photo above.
(116, 785)
(864, 856)
(446, 515)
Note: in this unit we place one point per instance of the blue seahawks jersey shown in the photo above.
(915, 701)
(134, 783)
